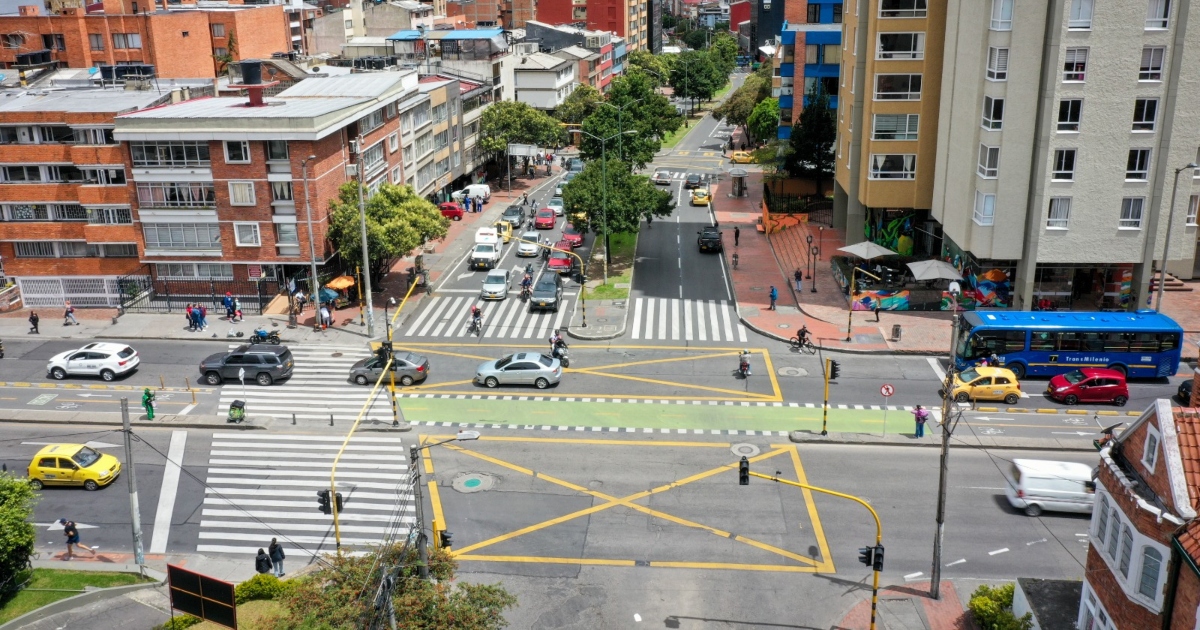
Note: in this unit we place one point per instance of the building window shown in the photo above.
(218, 30)
(1092, 615)
(1137, 168)
(993, 113)
(1193, 210)
(837, 14)
(34, 249)
(373, 158)
(237, 152)
(21, 174)
(286, 234)
(1081, 15)
(220, 51)
(1069, 112)
(200, 236)
(170, 154)
(1075, 66)
(1114, 534)
(175, 195)
(96, 40)
(1060, 213)
(54, 41)
(1150, 449)
(989, 161)
(1064, 165)
(241, 194)
(899, 8)
(281, 191)
(897, 87)
(1157, 14)
(120, 250)
(1002, 11)
(893, 166)
(246, 234)
(901, 46)
(1152, 63)
(277, 150)
(109, 216)
(1102, 515)
(997, 66)
(12, 40)
(1151, 565)
(188, 271)
(1126, 550)
(895, 127)
(1145, 112)
(127, 40)
(393, 142)
(396, 174)
(814, 14)
(1131, 219)
(985, 209)
(371, 121)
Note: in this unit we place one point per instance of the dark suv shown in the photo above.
(710, 239)
(263, 364)
(547, 293)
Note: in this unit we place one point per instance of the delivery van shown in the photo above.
(1036, 485)
(483, 191)
(487, 236)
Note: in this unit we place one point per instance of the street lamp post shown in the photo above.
(620, 128)
(812, 250)
(387, 321)
(808, 239)
(1162, 267)
(414, 455)
(366, 262)
(312, 247)
(604, 187)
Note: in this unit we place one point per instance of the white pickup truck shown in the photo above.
(487, 251)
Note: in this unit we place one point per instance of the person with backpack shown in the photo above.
(69, 315)
(774, 296)
(275, 551)
(921, 416)
(262, 562)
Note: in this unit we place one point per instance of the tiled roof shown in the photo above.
(1189, 539)
(1187, 424)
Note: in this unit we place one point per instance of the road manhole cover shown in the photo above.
(336, 354)
(601, 319)
(784, 325)
(756, 288)
(473, 482)
(792, 371)
(745, 450)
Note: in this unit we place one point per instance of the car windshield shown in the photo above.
(545, 360)
(570, 229)
(503, 362)
(495, 278)
(968, 375)
(484, 249)
(545, 214)
(556, 202)
(558, 255)
(1074, 376)
(546, 284)
(86, 457)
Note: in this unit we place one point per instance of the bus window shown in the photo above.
(1115, 342)
(1168, 341)
(1142, 342)
(1093, 342)
(988, 342)
(1043, 341)
(1069, 341)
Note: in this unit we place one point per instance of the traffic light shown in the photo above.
(833, 370)
(385, 351)
(866, 555)
(744, 472)
(877, 561)
(323, 502)
(338, 497)
(446, 539)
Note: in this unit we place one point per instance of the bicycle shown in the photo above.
(806, 345)
(735, 260)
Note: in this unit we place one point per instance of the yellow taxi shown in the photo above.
(741, 157)
(701, 197)
(986, 383)
(72, 465)
(504, 230)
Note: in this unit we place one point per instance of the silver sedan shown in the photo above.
(495, 285)
(522, 368)
(410, 368)
(528, 245)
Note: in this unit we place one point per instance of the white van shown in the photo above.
(482, 191)
(1035, 485)
(487, 236)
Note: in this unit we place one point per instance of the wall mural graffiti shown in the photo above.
(986, 288)
(896, 234)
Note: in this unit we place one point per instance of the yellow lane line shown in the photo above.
(780, 568)
(591, 442)
(418, 388)
(588, 561)
(599, 397)
(436, 501)
(770, 366)
(667, 360)
(662, 564)
(703, 388)
(826, 566)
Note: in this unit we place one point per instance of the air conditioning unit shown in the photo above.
(351, 170)
(354, 146)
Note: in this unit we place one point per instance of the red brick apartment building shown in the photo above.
(1143, 564)
(629, 19)
(180, 41)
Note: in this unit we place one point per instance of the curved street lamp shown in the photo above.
(604, 185)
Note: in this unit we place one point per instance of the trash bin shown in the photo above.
(895, 332)
(237, 411)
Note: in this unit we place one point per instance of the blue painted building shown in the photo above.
(808, 53)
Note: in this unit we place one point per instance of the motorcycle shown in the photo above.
(525, 293)
(560, 352)
(743, 368)
(262, 335)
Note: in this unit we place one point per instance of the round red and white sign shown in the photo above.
(887, 390)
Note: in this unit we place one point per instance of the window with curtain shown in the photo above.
(1102, 519)
(1058, 219)
(997, 67)
(1081, 15)
(1157, 14)
(1002, 12)
(985, 209)
(1131, 213)
(893, 166)
(1075, 65)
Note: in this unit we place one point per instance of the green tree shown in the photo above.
(992, 609)
(656, 67)
(764, 121)
(737, 108)
(724, 48)
(231, 51)
(17, 536)
(579, 105)
(697, 39)
(668, 21)
(621, 205)
(694, 77)
(508, 122)
(632, 104)
(398, 221)
(813, 139)
(341, 595)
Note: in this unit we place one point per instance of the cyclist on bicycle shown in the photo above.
(802, 336)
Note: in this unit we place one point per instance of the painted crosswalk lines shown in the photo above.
(688, 320)
(450, 316)
(258, 488)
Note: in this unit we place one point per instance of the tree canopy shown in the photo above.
(737, 108)
(694, 76)
(631, 105)
(508, 122)
(398, 221)
(579, 105)
(656, 67)
(697, 39)
(764, 120)
(723, 47)
(628, 198)
(17, 536)
(813, 138)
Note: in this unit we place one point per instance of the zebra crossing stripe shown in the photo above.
(637, 318)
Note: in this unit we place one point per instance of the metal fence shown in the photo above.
(818, 209)
(143, 293)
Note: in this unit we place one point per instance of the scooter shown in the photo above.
(262, 335)
(743, 369)
(560, 352)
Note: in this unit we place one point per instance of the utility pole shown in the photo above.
(312, 247)
(825, 406)
(414, 460)
(936, 572)
(366, 261)
(135, 511)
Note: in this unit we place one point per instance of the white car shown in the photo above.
(556, 204)
(106, 360)
(495, 285)
(528, 245)
(558, 189)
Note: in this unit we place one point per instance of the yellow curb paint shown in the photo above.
(1054, 411)
(989, 409)
(1107, 413)
(1077, 412)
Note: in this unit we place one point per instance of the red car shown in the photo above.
(545, 219)
(572, 236)
(561, 261)
(451, 210)
(1092, 385)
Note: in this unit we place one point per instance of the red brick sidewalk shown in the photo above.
(945, 613)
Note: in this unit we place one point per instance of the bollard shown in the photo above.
(293, 419)
(895, 332)
(188, 385)
(161, 383)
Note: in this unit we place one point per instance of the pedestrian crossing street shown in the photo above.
(262, 487)
(450, 316)
(685, 320)
(319, 388)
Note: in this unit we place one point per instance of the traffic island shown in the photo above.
(602, 310)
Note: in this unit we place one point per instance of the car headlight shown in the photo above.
(103, 474)
(1062, 389)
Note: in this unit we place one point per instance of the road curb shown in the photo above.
(624, 316)
(107, 419)
(77, 601)
(965, 441)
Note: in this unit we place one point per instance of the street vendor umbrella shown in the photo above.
(867, 250)
(341, 283)
(934, 270)
(328, 295)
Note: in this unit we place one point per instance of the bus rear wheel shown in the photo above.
(1017, 369)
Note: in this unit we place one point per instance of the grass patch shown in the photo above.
(249, 615)
(624, 247)
(68, 583)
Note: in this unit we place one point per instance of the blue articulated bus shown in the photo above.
(1144, 344)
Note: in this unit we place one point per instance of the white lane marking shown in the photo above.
(559, 318)
(166, 494)
(185, 410)
(913, 576)
(725, 322)
(998, 551)
(637, 318)
(662, 318)
(959, 561)
(649, 318)
(506, 326)
(937, 368)
(675, 319)
(712, 311)
(687, 319)
(741, 331)
(701, 334)
(1034, 542)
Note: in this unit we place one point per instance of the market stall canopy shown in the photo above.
(328, 295)
(867, 250)
(341, 283)
(934, 270)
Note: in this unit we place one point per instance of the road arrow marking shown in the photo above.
(466, 275)
(92, 444)
(1071, 432)
(56, 525)
(95, 395)
(959, 561)
(913, 576)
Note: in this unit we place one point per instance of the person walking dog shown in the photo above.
(72, 534)
(275, 550)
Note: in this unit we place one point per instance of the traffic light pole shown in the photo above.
(876, 555)
(825, 407)
(414, 460)
(944, 467)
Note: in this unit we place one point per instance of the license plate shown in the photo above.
(541, 303)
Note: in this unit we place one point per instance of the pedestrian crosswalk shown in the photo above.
(685, 320)
(704, 177)
(450, 316)
(263, 487)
